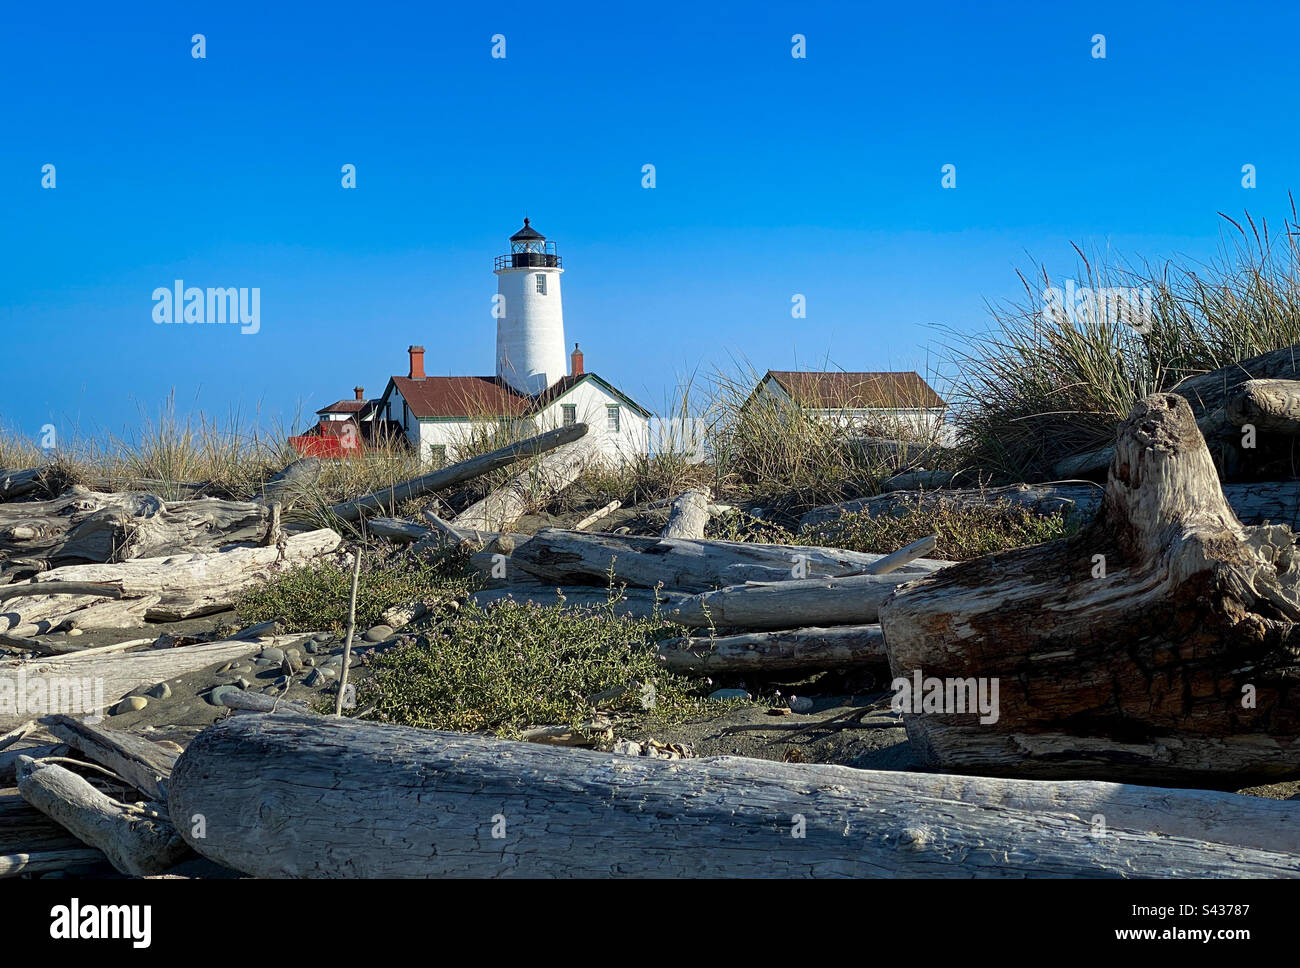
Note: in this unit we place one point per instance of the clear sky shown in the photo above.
(775, 175)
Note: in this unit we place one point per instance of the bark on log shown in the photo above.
(466, 470)
(287, 797)
(1156, 645)
(689, 515)
(87, 526)
(134, 842)
(118, 674)
(170, 588)
(17, 483)
(1269, 405)
(806, 649)
(681, 564)
(145, 765)
(499, 510)
(852, 600)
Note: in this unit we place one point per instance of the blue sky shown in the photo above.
(774, 176)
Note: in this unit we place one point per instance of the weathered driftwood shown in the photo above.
(159, 589)
(1156, 644)
(243, 701)
(9, 758)
(289, 486)
(134, 840)
(286, 797)
(689, 515)
(595, 516)
(1268, 405)
(629, 602)
(143, 764)
(500, 509)
(806, 649)
(852, 600)
(1209, 391)
(1253, 503)
(25, 831)
(682, 564)
(397, 530)
(45, 861)
(466, 470)
(79, 683)
(904, 555)
(87, 526)
(17, 483)
(918, 480)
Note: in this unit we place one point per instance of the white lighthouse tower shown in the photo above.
(530, 329)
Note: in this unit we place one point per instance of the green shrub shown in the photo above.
(509, 666)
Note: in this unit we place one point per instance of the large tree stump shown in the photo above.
(1156, 644)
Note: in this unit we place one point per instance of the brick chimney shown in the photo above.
(417, 362)
(360, 392)
(575, 361)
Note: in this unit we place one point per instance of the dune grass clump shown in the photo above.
(1045, 383)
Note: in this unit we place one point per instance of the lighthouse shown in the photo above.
(530, 322)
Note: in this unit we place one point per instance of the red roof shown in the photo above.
(897, 390)
(461, 396)
(343, 406)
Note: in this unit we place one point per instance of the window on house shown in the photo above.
(611, 417)
(438, 454)
(570, 411)
(541, 284)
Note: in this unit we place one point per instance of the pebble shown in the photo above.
(159, 691)
(275, 655)
(379, 633)
(308, 660)
(800, 704)
(130, 704)
(243, 683)
(288, 666)
(75, 632)
(225, 668)
(322, 637)
(264, 663)
(725, 694)
(215, 696)
(627, 747)
(329, 672)
(315, 678)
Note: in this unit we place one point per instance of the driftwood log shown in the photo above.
(17, 483)
(143, 764)
(853, 600)
(806, 649)
(597, 515)
(682, 564)
(31, 842)
(1268, 405)
(87, 526)
(536, 485)
(1158, 644)
(689, 515)
(296, 797)
(87, 683)
(136, 840)
(158, 589)
(466, 470)
(292, 483)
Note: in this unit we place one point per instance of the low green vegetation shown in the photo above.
(503, 668)
(315, 597)
(964, 533)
